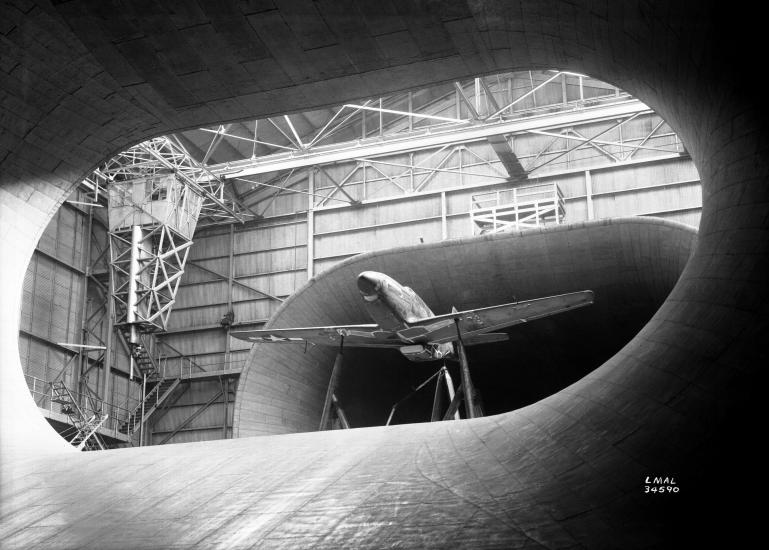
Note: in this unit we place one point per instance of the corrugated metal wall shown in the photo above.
(52, 310)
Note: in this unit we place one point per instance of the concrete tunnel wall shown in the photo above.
(81, 81)
(631, 264)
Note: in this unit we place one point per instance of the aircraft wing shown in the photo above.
(358, 336)
(441, 329)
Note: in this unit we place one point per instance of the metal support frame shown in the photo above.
(373, 148)
(147, 270)
(456, 401)
(192, 417)
(424, 169)
(340, 414)
(335, 372)
(586, 141)
(517, 208)
(437, 398)
(85, 425)
(241, 284)
(168, 153)
(464, 366)
(311, 226)
(440, 374)
(421, 139)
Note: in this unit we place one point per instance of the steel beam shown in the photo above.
(586, 142)
(434, 137)
(235, 281)
(453, 410)
(192, 417)
(507, 157)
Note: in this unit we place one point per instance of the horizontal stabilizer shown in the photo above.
(486, 338)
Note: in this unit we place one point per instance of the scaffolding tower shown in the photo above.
(151, 223)
(517, 209)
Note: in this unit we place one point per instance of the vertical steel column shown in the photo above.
(83, 359)
(589, 195)
(107, 364)
(411, 108)
(477, 90)
(226, 406)
(411, 171)
(381, 124)
(133, 283)
(230, 276)
(564, 91)
(458, 101)
(141, 420)
(310, 224)
(444, 224)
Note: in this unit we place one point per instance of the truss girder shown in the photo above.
(145, 295)
(166, 153)
(465, 132)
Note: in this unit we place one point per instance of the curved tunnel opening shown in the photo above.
(538, 359)
(541, 357)
(631, 264)
(695, 112)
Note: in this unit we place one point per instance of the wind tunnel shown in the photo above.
(631, 264)
(683, 398)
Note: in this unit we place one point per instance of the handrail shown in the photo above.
(517, 208)
(42, 390)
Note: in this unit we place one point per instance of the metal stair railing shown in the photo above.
(154, 398)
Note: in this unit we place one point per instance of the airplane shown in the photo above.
(402, 320)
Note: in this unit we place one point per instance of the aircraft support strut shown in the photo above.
(335, 370)
(464, 369)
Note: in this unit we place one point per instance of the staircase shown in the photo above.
(85, 425)
(155, 397)
(142, 352)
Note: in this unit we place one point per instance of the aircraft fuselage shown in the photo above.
(393, 306)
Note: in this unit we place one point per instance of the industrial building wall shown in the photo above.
(65, 294)
(59, 303)
(204, 411)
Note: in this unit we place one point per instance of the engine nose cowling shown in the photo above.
(369, 284)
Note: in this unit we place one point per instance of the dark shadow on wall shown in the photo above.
(539, 359)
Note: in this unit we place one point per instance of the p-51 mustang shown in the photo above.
(403, 321)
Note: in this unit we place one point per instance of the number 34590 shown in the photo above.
(661, 489)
